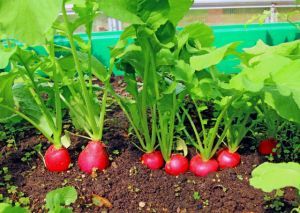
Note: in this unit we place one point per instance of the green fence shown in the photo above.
(271, 34)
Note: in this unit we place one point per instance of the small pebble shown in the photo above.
(142, 204)
(114, 165)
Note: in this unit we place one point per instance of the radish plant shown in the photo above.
(21, 89)
(21, 95)
(239, 122)
(203, 87)
(148, 50)
(272, 124)
(86, 111)
(207, 140)
(270, 76)
(69, 84)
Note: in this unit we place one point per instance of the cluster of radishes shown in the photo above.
(178, 164)
(94, 157)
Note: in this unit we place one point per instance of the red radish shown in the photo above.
(228, 159)
(202, 168)
(93, 157)
(266, 147)
(153, 160)
(178, 164)
(57, 160)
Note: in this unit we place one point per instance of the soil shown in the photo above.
(130, 186)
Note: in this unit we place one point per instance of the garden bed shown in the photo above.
(129, 185)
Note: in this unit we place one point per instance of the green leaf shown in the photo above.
(5, 54)
(124, 10)
(7, 208)
(26, 104)
(98, 69)
(181, 146)
(61, 196)
(178, 8)
(28, 21)
(6, 94)
(285, 90)
(154, 12)
(287, 80)
(284, 49)
(200, 32)
(204, 88)
(65, 140)
(214, 57)
(276, 79)
(272, 176)
(166, 32)
(183, 72)
(252, 79)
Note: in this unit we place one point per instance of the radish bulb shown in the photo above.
(57, 160)
(228, 159)
(267, 146)
(202, 168)
(93, 157)
(153, 160)
(178, 164)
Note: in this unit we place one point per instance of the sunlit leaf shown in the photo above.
(65, 140)
(212, 58)
(28, 21)
(181, 146)
(61, 196)
(271, 176)
(5, 55)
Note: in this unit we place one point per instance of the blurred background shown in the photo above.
(220, 12)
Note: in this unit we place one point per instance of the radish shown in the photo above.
(153, 160)
(228, 159)
(201, 167)
(57, 160)
(178, 164)
(267, 146)
(93, 157)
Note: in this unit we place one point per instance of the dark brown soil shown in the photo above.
(131, 187)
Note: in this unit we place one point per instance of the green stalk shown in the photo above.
(58, 109)
(201, 121)
(143, 106)
(153, 76)
(163, 143)
(170, 134)
(154, 129)
(118, 99)
(195, 130)
(76, 112)
(36, 96)
(89, 33)
(86, 96)
(102, 114)
(187, 134)
(216, 128)
(104, 102)
(220, 140)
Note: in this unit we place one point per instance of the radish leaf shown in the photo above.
(18, 19)
(271, 176)
(56, 199)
